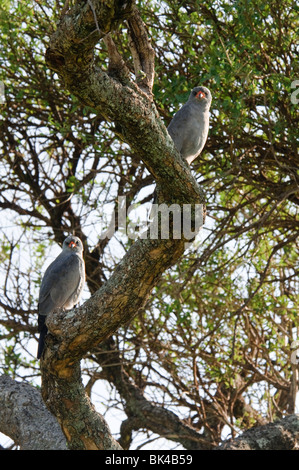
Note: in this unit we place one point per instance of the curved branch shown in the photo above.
(142, 414)
(142, 52)
(70, 54)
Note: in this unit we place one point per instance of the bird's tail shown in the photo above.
(43, 333)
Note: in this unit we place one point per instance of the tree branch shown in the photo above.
(25, 419)
(73, 334)
(70, 54)
(280, 435)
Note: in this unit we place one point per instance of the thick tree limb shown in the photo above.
(141, 413)
(280, 435)
(70, 54)
(74, 334)
(25, 419)
(80, 330)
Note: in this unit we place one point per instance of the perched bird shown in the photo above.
(190, 125)
(62, 284)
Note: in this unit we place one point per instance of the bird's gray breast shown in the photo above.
(62, 283)
(189, 130)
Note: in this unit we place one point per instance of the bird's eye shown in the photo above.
(194, 93)
(77, 243)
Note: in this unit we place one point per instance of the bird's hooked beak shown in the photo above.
(72, 244)
(200, 95)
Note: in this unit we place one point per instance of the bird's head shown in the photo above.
(202, 95)
(72, 243)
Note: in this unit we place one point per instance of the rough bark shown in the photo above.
(70, 54)
(25, 419)
(280, 435)
(73, 334)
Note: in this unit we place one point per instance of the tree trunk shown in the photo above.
(72, 335)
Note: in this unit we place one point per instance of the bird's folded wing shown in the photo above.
(60, 281)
